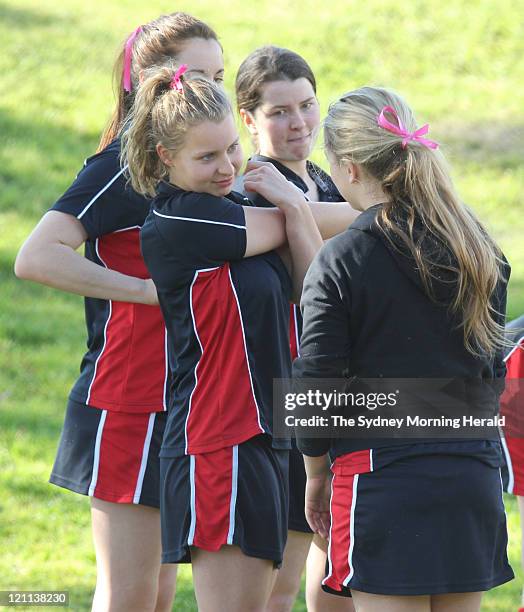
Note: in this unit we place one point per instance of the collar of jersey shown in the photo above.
(314, 171)
(166, 188)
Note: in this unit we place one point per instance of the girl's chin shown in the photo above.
(221, 191)
(300, 153)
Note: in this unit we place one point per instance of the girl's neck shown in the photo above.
(298, 167)
(371, 195)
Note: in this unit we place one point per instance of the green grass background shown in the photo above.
(458, 62)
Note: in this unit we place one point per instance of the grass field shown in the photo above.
(460, 65)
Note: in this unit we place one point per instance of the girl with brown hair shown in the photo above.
(116, 412)
(414, 289)
(276, 99)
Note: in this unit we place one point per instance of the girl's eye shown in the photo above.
(279, 113)
(307, 105)
(219, 79)
(233, 148)
(208, 157)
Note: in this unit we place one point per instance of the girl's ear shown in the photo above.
(166, 156)
(353, 171)
(249, 121)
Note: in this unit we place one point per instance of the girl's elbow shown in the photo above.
(26, 266)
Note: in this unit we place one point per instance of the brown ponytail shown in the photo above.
(157, 43)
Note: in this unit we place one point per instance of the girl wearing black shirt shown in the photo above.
(415, 288)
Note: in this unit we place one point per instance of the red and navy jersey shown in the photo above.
(227, 320)
(125, 367)
(512, 400)
(327, 192)
(512, 407)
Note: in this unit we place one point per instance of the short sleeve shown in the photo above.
(196, 232)
(100, 197)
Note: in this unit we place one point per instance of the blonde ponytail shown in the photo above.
(162, 115)
(423, 209)
(138, 146)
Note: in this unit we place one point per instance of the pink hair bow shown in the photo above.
(128, 52)
(400, 130)
(176, 83)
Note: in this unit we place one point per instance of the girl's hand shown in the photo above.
(265, 179)
(318, 492)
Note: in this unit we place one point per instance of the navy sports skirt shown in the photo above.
(420, 525)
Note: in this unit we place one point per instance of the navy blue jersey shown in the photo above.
(226, 318)
(125, 367)
(327, 192)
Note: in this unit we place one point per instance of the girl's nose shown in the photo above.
(226, 167)
(297, 121)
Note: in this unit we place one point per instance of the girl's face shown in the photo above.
(341, 175)
(203, 58)
(209, 160)
(286, 121)
(355, 185)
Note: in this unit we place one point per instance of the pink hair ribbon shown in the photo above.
(128, 52)
(400, 130)
(176, 83)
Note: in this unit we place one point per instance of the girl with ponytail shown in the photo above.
(414, 289)
(117, 409)
(225, 272)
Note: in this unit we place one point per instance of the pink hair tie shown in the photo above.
(128, 85)
(400, 130)
(176, 82)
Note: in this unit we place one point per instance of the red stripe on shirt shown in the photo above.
(293, 344)
(131, 370)
(512, 399)
(222, 409)
(512, 408)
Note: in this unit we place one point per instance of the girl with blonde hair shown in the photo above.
(414, 289)
(224, 278)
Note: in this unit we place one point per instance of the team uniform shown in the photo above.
(408, 517)
(327, 192)
(115, 416)
(512, 406)
(227, 318)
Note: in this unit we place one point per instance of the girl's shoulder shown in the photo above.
(171, 198)
(108, 156)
